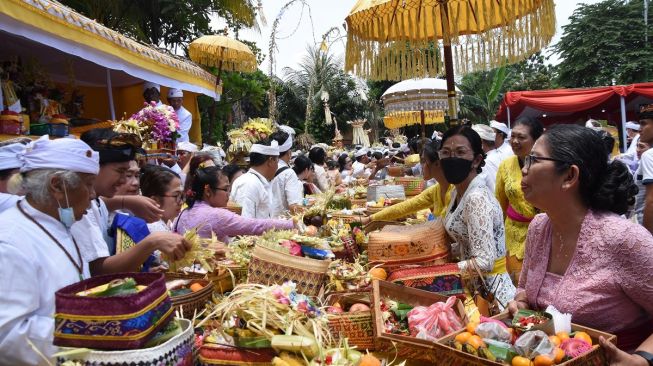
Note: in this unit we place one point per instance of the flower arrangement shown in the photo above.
(252, 131)
(152, 124)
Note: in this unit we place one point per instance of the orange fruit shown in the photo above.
(471, 327)
(555, 340)
(369, 360)
(559, 355)
(563, 336)
(475, 341)
(584, 336)
(378, 273)
(542, 360)
(463, 337)
(521, 361)
(196, 287)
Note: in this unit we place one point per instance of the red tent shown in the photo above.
(616, 104)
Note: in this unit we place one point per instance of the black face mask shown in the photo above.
(456, 169)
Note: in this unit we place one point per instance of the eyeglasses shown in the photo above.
(530, 159)
(458, 153)
(225, 189)
(179, 196)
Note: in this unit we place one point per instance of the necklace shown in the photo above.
(79, 266)
(561, 245)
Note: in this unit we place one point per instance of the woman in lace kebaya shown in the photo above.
(473, 219)
(517, 211)
(581, 256)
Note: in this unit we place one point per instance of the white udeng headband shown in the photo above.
(272, 150)
(287, 145)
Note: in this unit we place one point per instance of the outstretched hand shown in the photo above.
(617, 357)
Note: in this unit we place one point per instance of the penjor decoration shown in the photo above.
(360, 135)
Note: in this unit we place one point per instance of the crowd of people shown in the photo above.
(547, 216)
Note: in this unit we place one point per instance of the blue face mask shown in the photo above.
(66, 215)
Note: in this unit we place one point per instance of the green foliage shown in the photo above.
(170, 24)
(604, 42)
(483, 91)
(245, 91)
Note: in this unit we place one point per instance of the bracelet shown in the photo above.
(645, 355)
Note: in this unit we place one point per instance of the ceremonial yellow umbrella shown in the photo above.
(403, 39)
(224, 53)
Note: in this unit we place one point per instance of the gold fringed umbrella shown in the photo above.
(402, 39)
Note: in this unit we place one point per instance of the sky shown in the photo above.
(298, 29)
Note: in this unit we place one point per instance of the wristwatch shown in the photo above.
(647, 356)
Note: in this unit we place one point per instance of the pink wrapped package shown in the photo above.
(435, 321)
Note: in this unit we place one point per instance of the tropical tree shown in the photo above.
(169, 24)
(605, 43)
(481, 94)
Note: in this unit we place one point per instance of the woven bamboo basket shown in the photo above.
(356, 327)
(402, 244)
(360, 202)
(595, 357)
(396, 171)
(224, 278)
(408, 347)
(347, 219)
(194, 302)
(412, 185)
(268, 267)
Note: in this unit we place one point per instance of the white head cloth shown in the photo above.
(272, 150)
(593, 124)
(175, 93)
(632, 125)
(287, 129)
(500, 126)
(66, 154)
(360, 153)
(486, 132)
(10, 156)
(149, 85)
(187, 146)
(287, 145)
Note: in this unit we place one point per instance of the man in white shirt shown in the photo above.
(252, 191)
(152, 93)
(646, 163)
(98, 247)
(502, 141)
(632, 130)
(9, 166)
(359, 168)
(492, 159)
(38, 253)
(287, 189)
(175, 100)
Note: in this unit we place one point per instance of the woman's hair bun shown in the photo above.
(616, 189)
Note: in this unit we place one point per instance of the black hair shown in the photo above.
(413, 145)
(155, 180)
(198, 179)
(377, 155)
(430, 151)
(342, 162)
(7, 173)
(608, 140)
(301, 164)
(396, 145)
(231, 170)
(604, 186)
(256, 159)
(99, 139)
(280, 137)
(332, 164)
(471, 136)
(317, 155)
(535, 128)
(359, 158)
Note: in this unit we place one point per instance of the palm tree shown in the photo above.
(310, 79)
(482, 94)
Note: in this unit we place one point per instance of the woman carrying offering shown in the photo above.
(517, 211)
(474, 220)
(206, 199)
(436, 197)
(581, 256)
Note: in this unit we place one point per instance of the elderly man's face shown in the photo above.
(175, 103)
(110, 178)
(79, 198)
